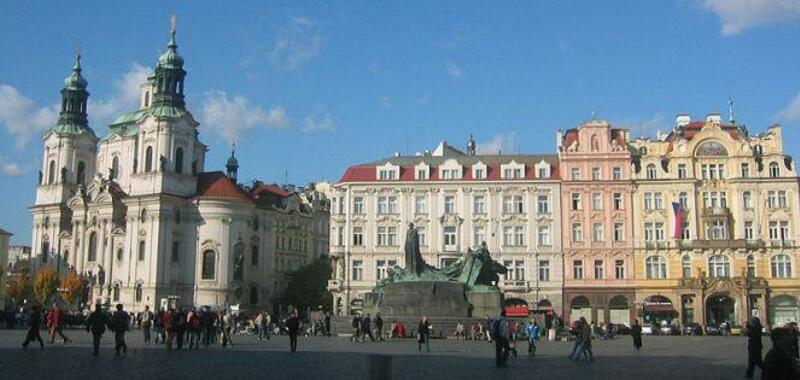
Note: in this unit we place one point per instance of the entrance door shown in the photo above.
(720, 308)
(580, 307)
(619, 311)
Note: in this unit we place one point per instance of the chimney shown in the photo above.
(714, 118)
(683, 119)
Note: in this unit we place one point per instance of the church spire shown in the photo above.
(233, 165)
(74, 98)
(169, 74)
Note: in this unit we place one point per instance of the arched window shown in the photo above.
(81, 173)
(209, 265)
(254, 257)
(148, 159)
(751, 266)
(179, 160)
(774, 170)
(651, 171)
(781, 266)
(51, 173)
(45, 250)
(92, 247)
(137, 293)
(253, 295)
(115, 168)
(238, 262)
(142, 246)
(656, 267)
(115, 295)
(719, 266)
(66, 255)
(686, 264)
(143, 215)
(120, 254)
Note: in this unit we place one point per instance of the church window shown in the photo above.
(176, 251)
(254, 258)
(92, 247)
(148, 159)
(115, 167)
(209, 262)
(51, 173)
(253, 295)
(142, 245)
(137, 292)
(81, 173)
(179, 161)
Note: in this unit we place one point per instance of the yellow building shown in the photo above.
(733, 253)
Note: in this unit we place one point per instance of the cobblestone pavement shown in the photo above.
(323, 358)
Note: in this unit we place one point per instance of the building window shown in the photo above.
(617, 173)
(92, 254)
(422, 174)
(387, 175)
(387, 205)
(648, 201)
(179, 160)
(576, 174)
(449, 238)
(598, 270)
(686, 232)
(686, 265)
(449, 204)
(719, 266)
(81, 173)
(358, 236)
(358, 270)
(595, 174)
(619, 231)
(683, 199)
(651, 171)
(782, 199)
(175, 251)
(745, 170)
(658, 201)
(478, 235)
(618, 205)
(577, 232)
(358, 205)
(748, 230)
(382, 268)
(420, 205)
(209, 265)
(717, 230)
(448, 174)
(544, 270)
(619, 269)
(512, 204)
(597, 201)
(781, 266)
(597, 232)
(747, 201)
(543, 204)
(479, 204)
(254, 255)
(772, 199)
(137, 293)
(339, 238)
(713, 199)
(387, 236)
(543, 173)
(751, 266)
(577, 269)
(774, 170)
(512, 173)
(576, 201)
(681, 170)
(423, 237)
(148, 159)
(480, 173)
(141, 250)
(513, 236)
(51, 173)
(655, 267)
(544, 236)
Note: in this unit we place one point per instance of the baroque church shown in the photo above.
(138, 214)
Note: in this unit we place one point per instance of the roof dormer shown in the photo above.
(422, 171)
(450, 170)
(542, 169)
(387, 172)
(512, 170)
(480, 170)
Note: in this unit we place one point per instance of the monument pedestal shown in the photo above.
(484, 303)
(434, 299)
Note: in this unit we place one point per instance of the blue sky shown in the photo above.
(312, 87)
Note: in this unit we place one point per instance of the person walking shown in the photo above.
(158, 324)
(120, 323)
(357, 328)
(754, 347)
(500, 332)
(533, 336)
(194, 329)
(57, 324)
(168, 321)
(327, 323)
(378, 326)
(96, 324)
(179, 324)
(293, 326)
(779, 363)
(34, 324)
(424, 334)
(261, 324)
(636, 334)
(207, 324)
(227, 326)
(147, 322)
(366, 329)
(586, 341)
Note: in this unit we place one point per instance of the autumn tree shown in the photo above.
(17, 287)
(72, 285)
(45, 284)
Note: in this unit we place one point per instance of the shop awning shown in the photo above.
(659, 308)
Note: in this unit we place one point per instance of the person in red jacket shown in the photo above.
(169, 327)
(56, 324)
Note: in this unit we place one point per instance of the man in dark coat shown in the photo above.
(293, 326)
(34, 323)
(636, 334)
(96, 324)
(366, 329)
(379, 325)
(327, 324)
(754, 347)
(120, 323)
(779, 362)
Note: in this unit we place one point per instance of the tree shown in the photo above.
(72, 287)
(45, 284)
(308, 287)
(17, 287)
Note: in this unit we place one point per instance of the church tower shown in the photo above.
(68, 166)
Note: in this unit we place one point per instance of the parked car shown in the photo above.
(692, 329)
(713, 330)
(647, 329)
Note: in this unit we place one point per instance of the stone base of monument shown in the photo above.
(485, 302)
(435, 299)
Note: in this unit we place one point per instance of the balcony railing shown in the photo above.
(721, 244)
(716, 211)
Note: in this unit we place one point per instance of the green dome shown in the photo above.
(75, 80)
(171, 58)
(232, 162)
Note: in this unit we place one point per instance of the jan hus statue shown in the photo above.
(414, 262)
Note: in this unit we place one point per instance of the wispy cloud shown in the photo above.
(296, 43)
(125, 97)
(21, 118)
(231, 117)
(642, 127)
(737, 16)
(790, 113)
(324, 124)
(453, 70)
(500, 143)
(14, 169)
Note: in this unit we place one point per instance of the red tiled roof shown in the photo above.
(692, 128)
(368, 173)
(218, 185)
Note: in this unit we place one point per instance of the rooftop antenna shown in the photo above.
(731, 118)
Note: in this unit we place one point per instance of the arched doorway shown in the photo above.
(782, 310)
(619, 311)
(658, 310)
(515, 308)
(580, 307)
(720, 307)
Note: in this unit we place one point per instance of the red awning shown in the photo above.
(517, 311)
(659, 308)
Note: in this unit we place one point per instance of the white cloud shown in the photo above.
(125, 98)
(325, 124)
(21, 118)
(11, 169)
(643, 128)
(296, 43)
(501, 143)
(790, 113)
(739, 15)
(231, 117)
(453, 70)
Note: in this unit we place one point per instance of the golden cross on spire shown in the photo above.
(172, 22)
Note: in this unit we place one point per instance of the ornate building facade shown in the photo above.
(716, 214)
(137, 212)
(456, 200)
(596, 189)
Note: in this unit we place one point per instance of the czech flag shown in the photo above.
(678, 209)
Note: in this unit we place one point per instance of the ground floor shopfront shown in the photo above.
(600, 304)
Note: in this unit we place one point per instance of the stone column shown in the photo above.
(105, 247)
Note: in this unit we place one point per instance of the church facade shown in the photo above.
(138, 213)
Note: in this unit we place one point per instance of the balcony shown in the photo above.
(721, 244)
(781, 243)
(716, 211)
(655, 244)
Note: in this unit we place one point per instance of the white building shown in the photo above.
(136, 210)
(456, 200)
